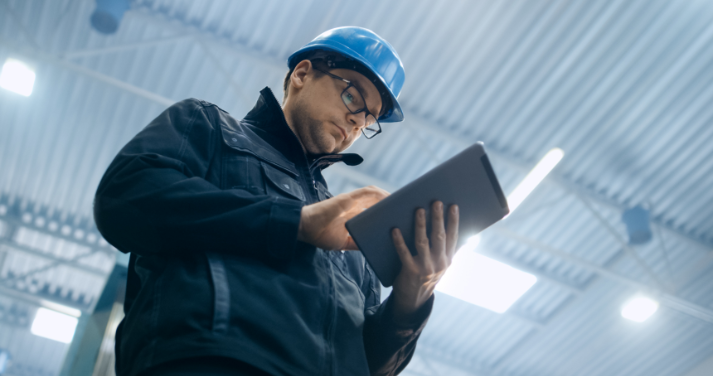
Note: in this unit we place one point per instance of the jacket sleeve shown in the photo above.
(154, 197)
(389, 343)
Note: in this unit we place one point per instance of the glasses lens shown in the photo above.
(372, 129)
(369, 133)
(353, 99)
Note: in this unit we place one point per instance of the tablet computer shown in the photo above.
(466, 179)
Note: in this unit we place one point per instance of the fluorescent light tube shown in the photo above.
(54, 325)
(60, 308)
(17, 77)
(543, 167)
(483, 281)
(639, 309)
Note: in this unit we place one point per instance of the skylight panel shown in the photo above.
(482, 281)
(54, 325)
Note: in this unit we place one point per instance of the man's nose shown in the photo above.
(358, 120)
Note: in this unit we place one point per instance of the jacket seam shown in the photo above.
(221, 294)
(155, 316)
(263, 158)
(361, 293)
(189, 128)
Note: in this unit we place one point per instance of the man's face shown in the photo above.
(318, 116)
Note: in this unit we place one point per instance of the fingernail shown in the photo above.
(455, 209)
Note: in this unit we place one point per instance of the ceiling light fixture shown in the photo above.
(54, 325)
(543, 167)
(639, 308)
(482, 281)
(17, 77)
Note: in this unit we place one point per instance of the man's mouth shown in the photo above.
(342, 131)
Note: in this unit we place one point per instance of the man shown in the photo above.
(235, 241)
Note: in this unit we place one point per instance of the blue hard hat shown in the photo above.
(372, 52)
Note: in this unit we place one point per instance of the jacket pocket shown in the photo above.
(251, 165)
(280, 183)
(242, 171)
(348, 266)
(221, 293)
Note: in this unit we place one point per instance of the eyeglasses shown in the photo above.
(352, 98)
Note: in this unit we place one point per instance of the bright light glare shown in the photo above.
(471, 243)
(543, 167)
(54, 325)
(61, 308)
(484, 282)
(639, 309)
(17, 77)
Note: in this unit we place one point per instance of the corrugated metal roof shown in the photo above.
(623, 87)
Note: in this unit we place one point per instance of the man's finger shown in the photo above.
(401, 248)
(452, 233)
(438, 231)
(422, 248)
(369, 192)
(348, 205)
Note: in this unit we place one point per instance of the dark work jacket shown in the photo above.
(209, 208)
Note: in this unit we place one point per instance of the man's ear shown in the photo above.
(300, 73)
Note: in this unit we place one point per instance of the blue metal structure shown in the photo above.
(636, 220)
(108, 14)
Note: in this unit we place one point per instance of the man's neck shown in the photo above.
(286, 110)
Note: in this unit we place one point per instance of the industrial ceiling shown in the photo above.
(623, 87)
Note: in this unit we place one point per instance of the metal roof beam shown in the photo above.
(122, 47)
(55, 261)
(155, 18)
(667, 299)
(428, 353)
(55, 60)
(627, 248)
(421, 125)
(13, 219)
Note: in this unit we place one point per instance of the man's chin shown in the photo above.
(325, 147)
(330, 146)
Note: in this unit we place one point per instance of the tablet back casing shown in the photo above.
(467, 180)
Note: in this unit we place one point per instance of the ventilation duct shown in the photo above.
(637, 225)
(107, 16)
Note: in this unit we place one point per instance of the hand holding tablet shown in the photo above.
(466, 180)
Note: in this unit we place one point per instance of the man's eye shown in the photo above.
(348, 98)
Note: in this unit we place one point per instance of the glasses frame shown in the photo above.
(365, 109)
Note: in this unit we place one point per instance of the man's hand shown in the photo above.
(322, 223)
(419, 274)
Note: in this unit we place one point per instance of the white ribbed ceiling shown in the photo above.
(624, 87)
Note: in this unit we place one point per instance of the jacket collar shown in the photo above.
(267, 115)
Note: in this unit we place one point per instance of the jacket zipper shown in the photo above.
(331, 318)
(331, 305)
